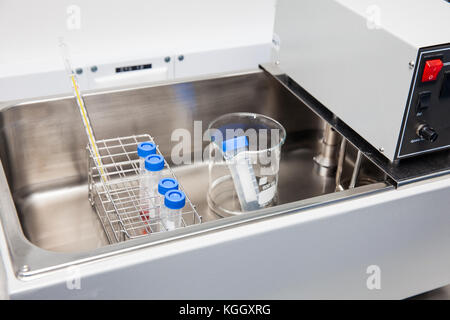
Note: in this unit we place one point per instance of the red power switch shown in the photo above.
(432, 69)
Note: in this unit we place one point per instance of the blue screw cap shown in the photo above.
(175, 199)
(145, 149)
(154, 162)
(235, 143)
(167, 184)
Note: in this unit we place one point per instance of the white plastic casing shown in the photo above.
(354, 57)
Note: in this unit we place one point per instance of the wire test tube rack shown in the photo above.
(116, 197)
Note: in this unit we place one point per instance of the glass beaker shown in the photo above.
(244, 162)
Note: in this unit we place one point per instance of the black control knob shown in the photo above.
(426, 132)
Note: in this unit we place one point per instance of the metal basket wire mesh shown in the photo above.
(117, 197)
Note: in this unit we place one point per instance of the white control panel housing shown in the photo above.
(360, 59)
